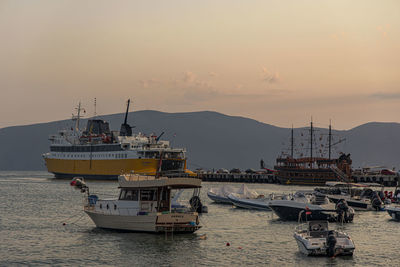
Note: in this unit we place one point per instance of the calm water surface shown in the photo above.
(33, 208)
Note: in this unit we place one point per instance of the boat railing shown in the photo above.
(342, 176)
(302, 227)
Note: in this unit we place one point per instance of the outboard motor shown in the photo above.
(331, 243)
(376, 202)
(343, 211)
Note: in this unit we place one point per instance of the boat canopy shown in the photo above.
(143, 181)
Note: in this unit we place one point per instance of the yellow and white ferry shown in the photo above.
(98, 153)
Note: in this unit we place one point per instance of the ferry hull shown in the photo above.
(100, 169)
(85, 176)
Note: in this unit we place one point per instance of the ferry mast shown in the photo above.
(78, 116)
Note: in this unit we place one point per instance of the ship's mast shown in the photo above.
(291, 141)
(330, 138)
(77, 117)
(311, 141)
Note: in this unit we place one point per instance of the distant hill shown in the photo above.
(212, 140)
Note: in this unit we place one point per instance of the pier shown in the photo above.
(238, 177)
(385, 180)
(271, 179)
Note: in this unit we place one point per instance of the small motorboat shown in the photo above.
(259, 203)
(369, 200)
(310, 208)
(394, 212)
(220, 195)
(315, 239)
(361, 197)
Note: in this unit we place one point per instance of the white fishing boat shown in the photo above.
(144, 204)
(361, 197)
(260, 202)
(315, 239)
(220, 194)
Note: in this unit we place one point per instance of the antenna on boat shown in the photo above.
(95, 111)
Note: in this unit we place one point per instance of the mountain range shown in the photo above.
(214, 140)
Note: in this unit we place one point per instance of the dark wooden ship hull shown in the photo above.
(304, 176)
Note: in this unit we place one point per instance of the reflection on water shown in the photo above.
(34, 208)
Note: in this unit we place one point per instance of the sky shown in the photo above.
(279, 62)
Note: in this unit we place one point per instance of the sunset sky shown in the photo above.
(279, 62)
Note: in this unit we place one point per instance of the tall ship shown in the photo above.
(312, 170)
(99, 153)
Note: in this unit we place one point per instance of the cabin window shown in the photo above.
(122, 194)
(148, 195)
(135, 195)
(129, 195)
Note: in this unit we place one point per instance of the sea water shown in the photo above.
(34, 208)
